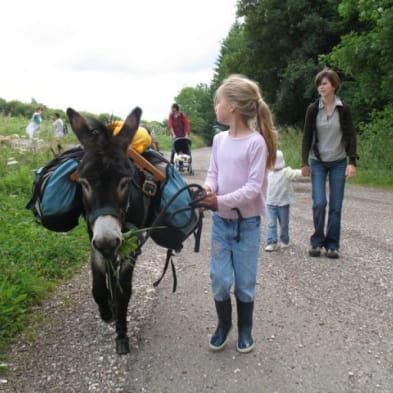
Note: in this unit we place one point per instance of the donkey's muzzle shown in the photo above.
(107, 236)
(107, 247)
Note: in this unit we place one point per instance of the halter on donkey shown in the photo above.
(112, 195)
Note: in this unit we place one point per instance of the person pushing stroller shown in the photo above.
(179, 127)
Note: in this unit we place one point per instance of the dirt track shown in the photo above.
(320, 325)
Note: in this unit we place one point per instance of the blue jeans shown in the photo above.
(233, 261)
(335, 172)
(280, 214)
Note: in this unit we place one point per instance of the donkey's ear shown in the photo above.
(130, 127)
(79, 126)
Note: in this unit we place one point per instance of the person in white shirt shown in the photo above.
(58, 126)
(279, 198)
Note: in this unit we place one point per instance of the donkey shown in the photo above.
(108, 178)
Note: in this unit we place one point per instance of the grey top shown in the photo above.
(330, 137)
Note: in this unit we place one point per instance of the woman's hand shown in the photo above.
(351, 170)
(306, 171)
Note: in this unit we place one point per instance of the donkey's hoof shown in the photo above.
(122, 347)
(106, 314)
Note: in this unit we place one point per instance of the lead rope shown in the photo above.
(169, 255)
(240, 219)
(199, 194)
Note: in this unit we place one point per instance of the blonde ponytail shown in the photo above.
(266, 127)
(246, 95)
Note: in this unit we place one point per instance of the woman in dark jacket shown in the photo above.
(329, 141)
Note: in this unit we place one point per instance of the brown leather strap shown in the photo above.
(74, 176)
(145, 164)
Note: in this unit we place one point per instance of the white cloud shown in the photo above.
(110, 56)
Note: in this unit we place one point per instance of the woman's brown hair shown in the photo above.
(331, 75)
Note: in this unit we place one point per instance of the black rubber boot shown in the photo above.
(244, 323)
(220, 336)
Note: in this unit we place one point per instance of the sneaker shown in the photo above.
(283, 245)
(315, 252)
(333, 254)
(272, 247)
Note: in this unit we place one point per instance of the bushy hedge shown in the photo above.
(376, 147)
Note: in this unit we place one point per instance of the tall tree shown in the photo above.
(232, 57)
(197, 103)
(366, 55)
(278, 44)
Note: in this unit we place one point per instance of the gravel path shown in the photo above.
(320, 325)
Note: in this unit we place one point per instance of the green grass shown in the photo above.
(290, 143)
(12, 125)
(33, 260)
(369, 171)
(165, 142)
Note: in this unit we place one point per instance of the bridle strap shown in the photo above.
(103, 211)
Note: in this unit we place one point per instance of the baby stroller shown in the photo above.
(182, 158)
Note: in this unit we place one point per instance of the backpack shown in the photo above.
(65, 129)
(173, 210)
(56, 199)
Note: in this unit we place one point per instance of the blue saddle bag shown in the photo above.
(57, 200)
(174, 212)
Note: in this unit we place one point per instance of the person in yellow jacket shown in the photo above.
(141, 140)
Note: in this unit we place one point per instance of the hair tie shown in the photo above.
(260, 101)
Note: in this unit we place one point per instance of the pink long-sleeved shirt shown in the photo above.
(238, 175)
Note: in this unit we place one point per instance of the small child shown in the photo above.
(279, 197)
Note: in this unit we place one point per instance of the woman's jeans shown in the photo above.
(278, 214)
(235, 261)
(335, 172)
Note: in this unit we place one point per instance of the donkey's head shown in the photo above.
(105, 175)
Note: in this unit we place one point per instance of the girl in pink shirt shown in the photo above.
(236, 185)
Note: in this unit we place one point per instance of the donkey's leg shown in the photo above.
(100, 289)
(123, 295)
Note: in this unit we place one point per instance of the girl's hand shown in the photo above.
(306, 171)
(351, 170)
(210, 201)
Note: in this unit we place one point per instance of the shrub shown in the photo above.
(376, 147)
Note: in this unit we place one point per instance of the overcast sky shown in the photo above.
(109, 56)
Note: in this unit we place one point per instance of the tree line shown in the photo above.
(15, 108)
(282, 44)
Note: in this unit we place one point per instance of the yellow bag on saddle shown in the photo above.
(142, 139)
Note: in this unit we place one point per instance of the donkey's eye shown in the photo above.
(123, 184)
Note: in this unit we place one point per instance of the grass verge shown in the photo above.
(33, 260)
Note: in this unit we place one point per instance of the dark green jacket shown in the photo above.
(310, 129)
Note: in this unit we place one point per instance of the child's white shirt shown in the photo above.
(280, 190)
